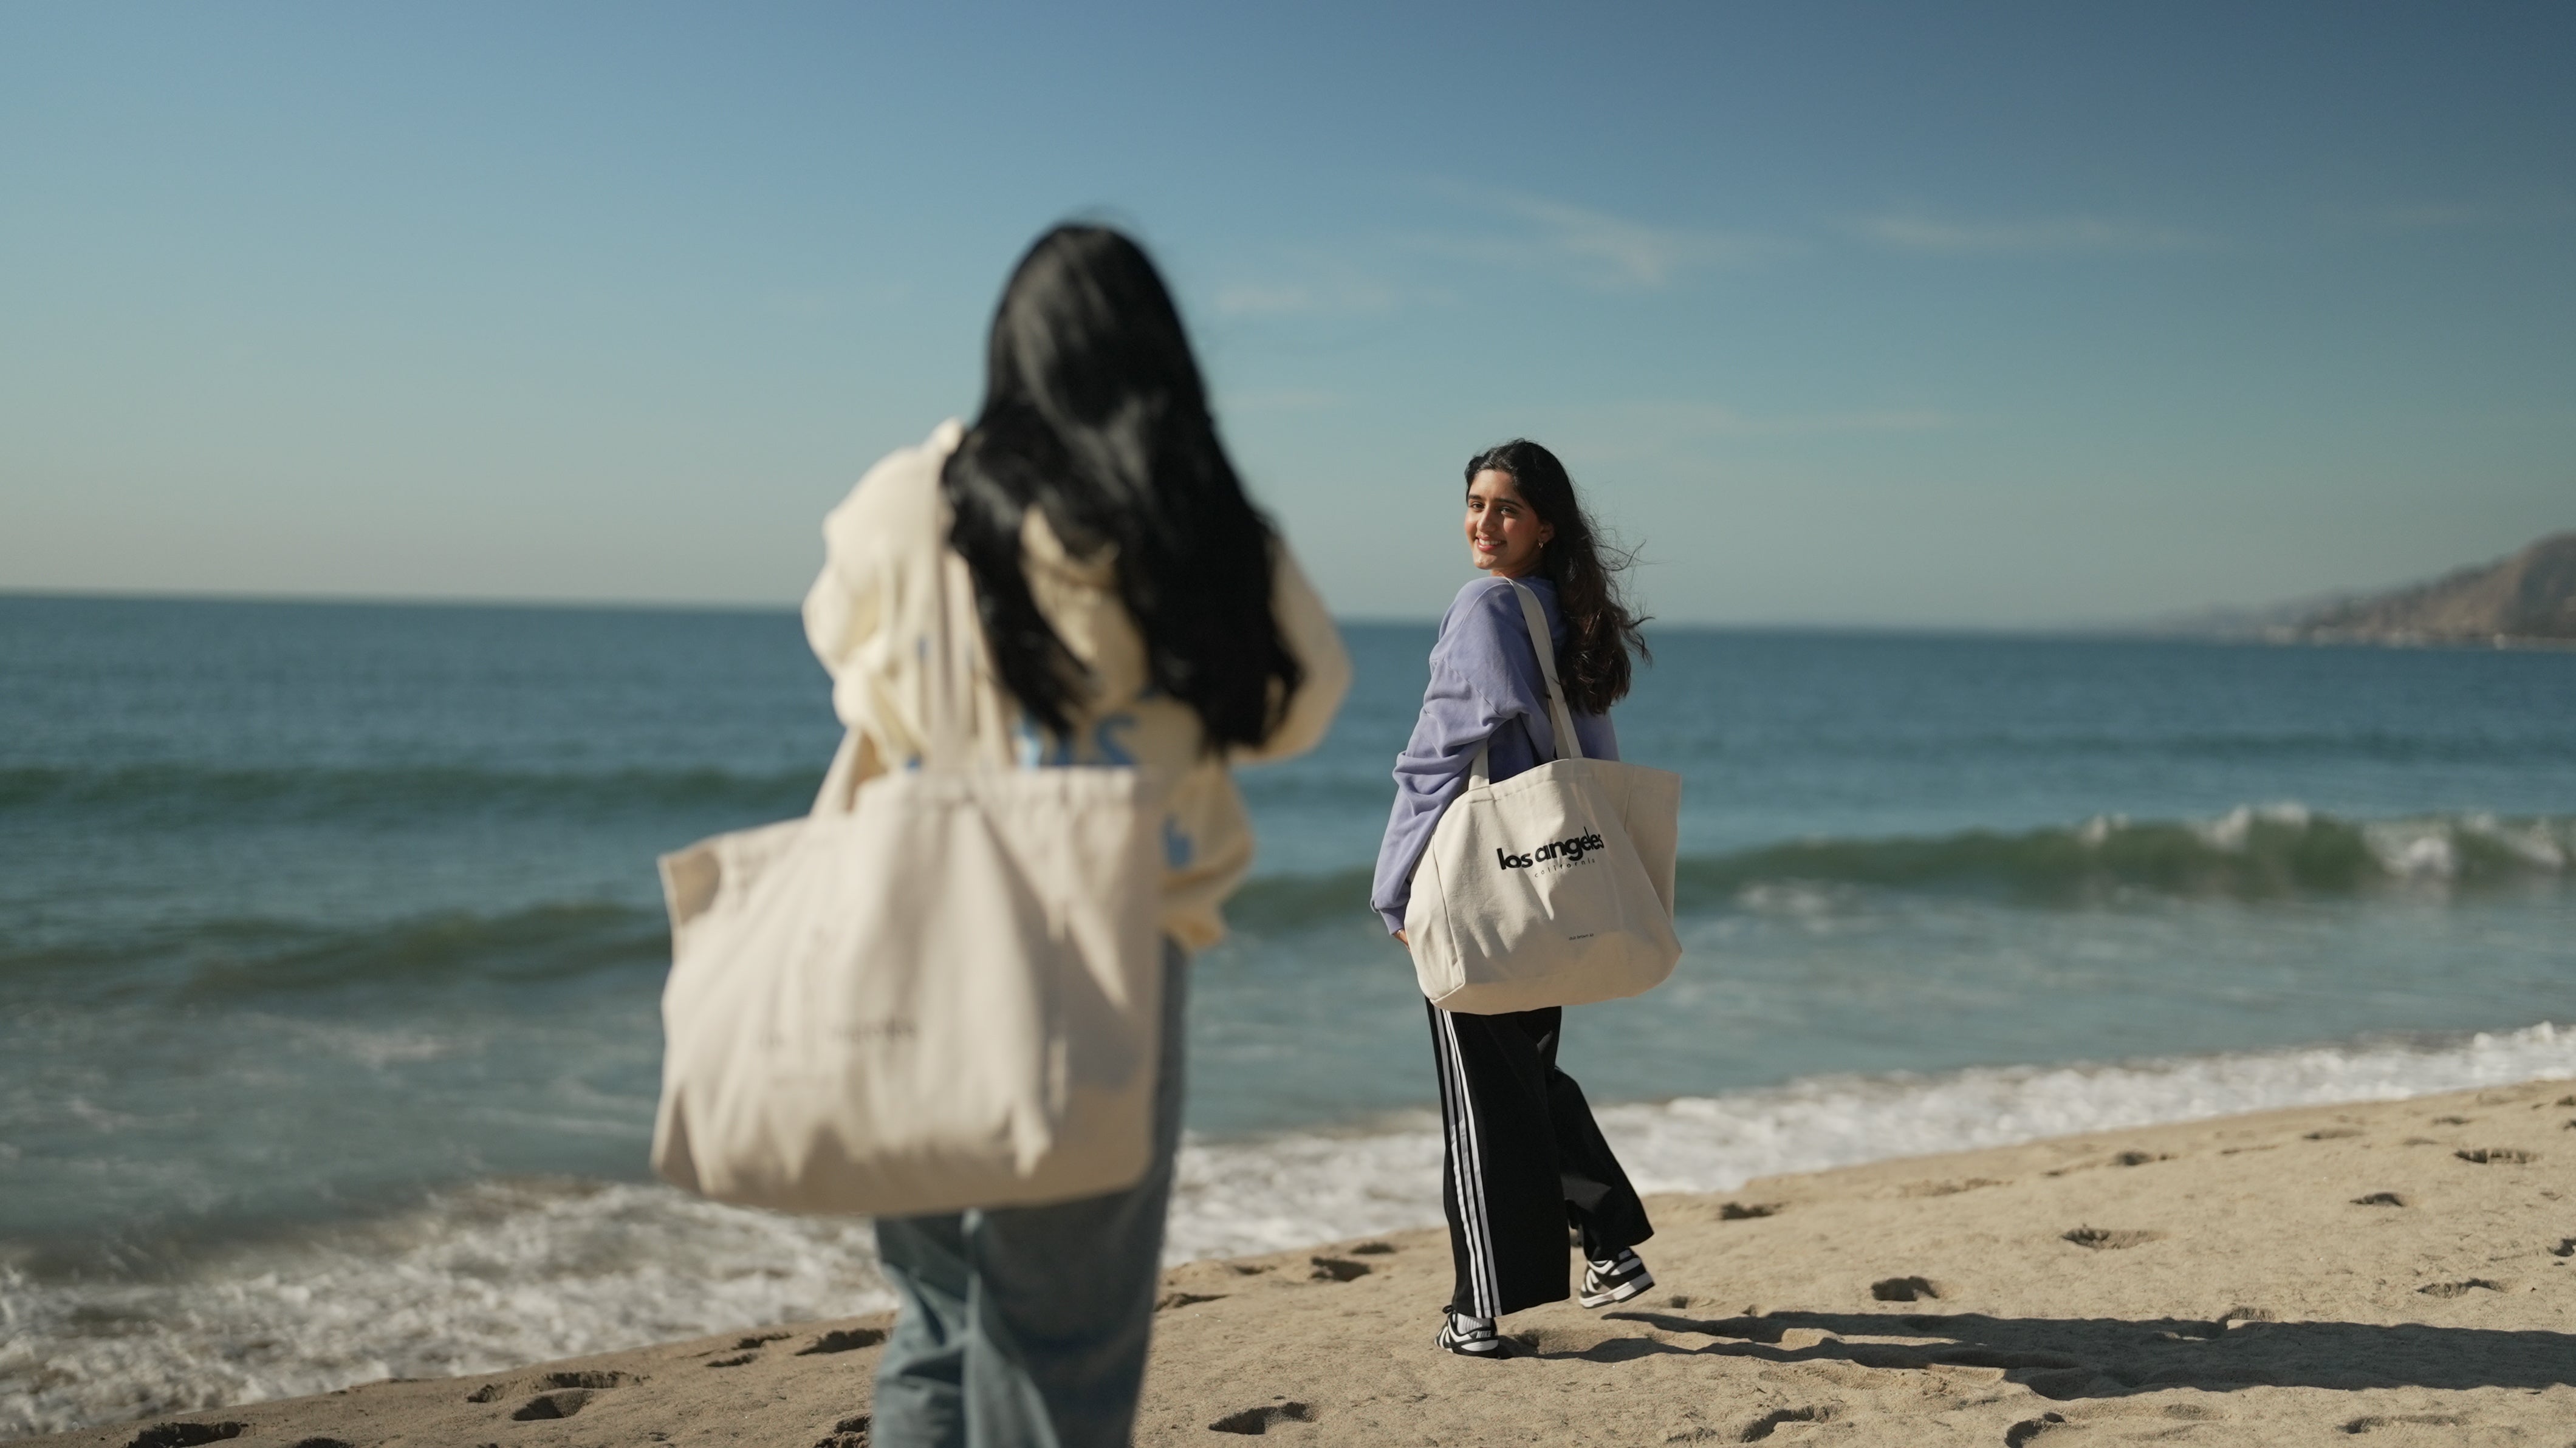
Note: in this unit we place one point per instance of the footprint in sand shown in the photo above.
(843, 1339)
(2029, 1428)
(2380, 1199)
(2566, 1248)
(593, 1379)
(1904, 1289)
(1373, 1249)
(2333, 1133)
(1948, 1188)
(1336, 1269)
(2498, 1156)
(1170, 1300)
(745, 1351)
(1762, 1427)
(551, 1405)
(847, 1433)
(571, 1391)
(2459, 1289)
(2104, 1239)
(2374, 1421)
(185, 1435)
(2062, 1384)
(1257, 1421)
(1747, 1211)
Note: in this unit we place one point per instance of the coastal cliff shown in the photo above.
(2528, 597)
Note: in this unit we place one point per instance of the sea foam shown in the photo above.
(1286, 1191)
(510, 1272)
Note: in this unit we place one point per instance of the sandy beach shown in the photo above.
(2399, 1271)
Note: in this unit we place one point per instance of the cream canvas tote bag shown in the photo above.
(1553, 887)
(940, 991)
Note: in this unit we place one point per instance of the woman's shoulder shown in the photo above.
(1484, 632)
(898, 500)
(1483, 595)
(1490, 605)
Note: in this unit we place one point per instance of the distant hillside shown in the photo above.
(2529, 596)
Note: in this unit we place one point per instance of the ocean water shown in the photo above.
(331, 947)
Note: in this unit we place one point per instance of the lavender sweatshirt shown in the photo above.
(1485, 685)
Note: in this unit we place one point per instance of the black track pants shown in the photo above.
(1522, 1160)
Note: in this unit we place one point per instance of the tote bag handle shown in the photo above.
(947, 736)
(1559, 717)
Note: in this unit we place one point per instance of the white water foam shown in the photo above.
(1281, 1192)
(497, 1274)
(507, 1273)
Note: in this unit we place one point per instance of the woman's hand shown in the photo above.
(1400, 940)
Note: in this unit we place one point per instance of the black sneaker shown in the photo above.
(1616, 1280)
(1470, 1337)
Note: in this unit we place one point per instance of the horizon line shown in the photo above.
(2152, 628)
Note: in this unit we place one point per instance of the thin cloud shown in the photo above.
(2046, 234)
(1506, 229)
(1710, 420)
(1299, 282)
(1291, 299)
(1594, 248)
(1660, 430)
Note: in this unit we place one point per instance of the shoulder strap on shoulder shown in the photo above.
(1559, 717)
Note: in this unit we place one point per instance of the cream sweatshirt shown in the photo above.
(872, 614)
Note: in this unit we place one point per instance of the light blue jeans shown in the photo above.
(1026, 1327)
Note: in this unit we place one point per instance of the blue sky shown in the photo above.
(2021, 315)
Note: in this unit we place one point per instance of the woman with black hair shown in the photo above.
(1522, 1157)
(1135, 609)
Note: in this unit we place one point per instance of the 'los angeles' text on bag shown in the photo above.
(1570, 850)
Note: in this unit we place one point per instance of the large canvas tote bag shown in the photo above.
(1554, 887)
(944, 992)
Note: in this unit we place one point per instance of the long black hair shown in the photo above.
(1095, 414)
(1599, 629)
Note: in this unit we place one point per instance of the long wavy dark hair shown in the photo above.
(1600, 632)
(1095, 414)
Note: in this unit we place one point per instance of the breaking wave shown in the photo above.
(2252, 853)
(502, 1273)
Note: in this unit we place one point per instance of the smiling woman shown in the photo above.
(1524, 520)
(1523, 1155)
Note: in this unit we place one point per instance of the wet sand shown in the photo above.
(2399, 1272)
